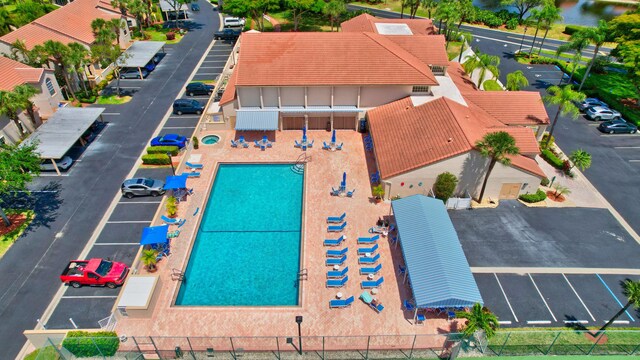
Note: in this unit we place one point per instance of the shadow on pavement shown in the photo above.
(45, 202)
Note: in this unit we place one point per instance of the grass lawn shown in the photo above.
(491, 85)
(45, 353)
(568, 55)
(309, 21)
(454, 49)
(10, 237)
(160, 35)
(113, 100)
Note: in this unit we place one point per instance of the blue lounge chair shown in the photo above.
(325, 146)
(402, 269)
(172, 221)
(378, 230)
(194, 166)
(366, 297)
(350, 193)
(408, 306)
(337, 228)
(337, 253)
(372, 284)
(193, 174)
(337, 274)
(336, 261)
(339, 147)
(336, 219)
(369, 270)
(337, 283)
(369, 260)
(335, 192)
(234, 144)
(339, 303)
(370, 250)
(368, 240)
(334, 242)
(420, 319)
(310, 145)
(297, 144)
(241, 140)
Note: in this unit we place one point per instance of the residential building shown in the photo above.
(12, 74)
(368, 23)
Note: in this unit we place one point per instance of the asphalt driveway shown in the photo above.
(514, 235)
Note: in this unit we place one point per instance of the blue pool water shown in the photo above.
(247, 251)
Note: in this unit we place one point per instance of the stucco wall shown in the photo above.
(470, 169)
(290, 96)
(345, 95)
(371, 96)
(270, 96)
(249, 96)
(47, 103)
(319, 96)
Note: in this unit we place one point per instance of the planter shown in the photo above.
(152, 268)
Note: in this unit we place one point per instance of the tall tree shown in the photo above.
(466, 38)
(580, 159)
(479, 318)
(596, 35)
(413, 7)
(77, 57)
(139, 9)
(22, 95)
(58, 52)
(253, 9)
(484, 62)
(550, 15)
(5, 21)
(624, 29)
(27, 11)
(18, 165)
(13, 102)
(466, 11)
(522, 6)
(631, 290)
(497, 146)
(565, 98)
(516, 81)
(429, 5)
(301, 7)
(577, 43)
(446, 10)
(536, 19)
(334, 9)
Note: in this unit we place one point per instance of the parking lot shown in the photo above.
(119, 239)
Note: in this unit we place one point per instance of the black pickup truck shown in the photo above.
(227, 34)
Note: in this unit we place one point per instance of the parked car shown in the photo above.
(198, 88)
(130, 73)
(63, 164)
(142, 187)
(617, 127)
(94, 272)
(227, 34)
(195, 7)
(156, 58)
(150, 66)
(181, 16)
(169, 140)
(591, 102)
(602, 113)
(233, 22)
(187, 106)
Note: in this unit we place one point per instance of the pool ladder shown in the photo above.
(303, 274)
(298, 167)
(177, 275)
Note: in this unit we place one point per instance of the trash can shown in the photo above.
(363, 126)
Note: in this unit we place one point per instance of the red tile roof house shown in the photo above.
(412, 97)
(13, 73)
(69, 23)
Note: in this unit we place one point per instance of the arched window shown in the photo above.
(52, 90)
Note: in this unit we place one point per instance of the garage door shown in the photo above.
(319, 122)
(293, 123)
(344, 122)
(510, 191)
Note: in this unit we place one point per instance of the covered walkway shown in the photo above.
(436, 266)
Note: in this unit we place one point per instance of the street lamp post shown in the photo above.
(299, 321)
(173, 170)
(523, 34)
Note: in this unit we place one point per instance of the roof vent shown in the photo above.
(407, 107)
(450, 140)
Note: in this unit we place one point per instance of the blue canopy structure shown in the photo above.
(154, 235)
(436, 265)
(176, 182)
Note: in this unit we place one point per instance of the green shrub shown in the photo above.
(512, 24)
(491, 85)
(195, 142)
(493, 21)
(533, 198)
(506, 15)
(552, 159)
(173, 150)
(544, 182)
(86, 97)
(544, 141)
(156, 159)
(89, 344)
(445, 186)
(571, 29)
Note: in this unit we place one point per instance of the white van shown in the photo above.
(233, 22)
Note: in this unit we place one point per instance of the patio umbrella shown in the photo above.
(154, 235)
(344, 179)
(333, 137)
(304, 134)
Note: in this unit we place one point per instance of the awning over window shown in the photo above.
(248, 120)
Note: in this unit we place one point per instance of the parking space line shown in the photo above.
(576, 321)
(504, 322)
(621, 135)
(139, 202)
(184, 116)
(506, 298)
(129, 222)
(211, 67)
(634, 160)
(538, 322)
(108, 244)
(626, 147)
(542, 297)
(207, 74)
(619, 321)
(114, 114)
(179, 127)
(43, 174)
(90, 297)
(614, 296)
(579, 298)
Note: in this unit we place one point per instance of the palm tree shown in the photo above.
(76, 57)
(576, 43)
(479, 318)
(630, 289)
(22, 97)
(565, 97)
(536, 15)
(466, 38)
(483, 62)
(581, 159)
(597, 36)
(58, 52)
(497, 146)
(429, 5)
(334, 9)
(516, 80)
(550, 14)
(5, 21)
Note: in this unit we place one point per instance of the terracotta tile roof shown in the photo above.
(430, 49)
(69, 23)
(230, 91)
(13, 73)
(527, 164)
(366, 23)
(299, 59)
(460, 78)
(525, 138)
(407, 137)
(511, 107)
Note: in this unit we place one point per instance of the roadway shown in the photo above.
(69, 208)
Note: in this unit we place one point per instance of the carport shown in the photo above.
(436, 266)
(167, 6)
(58, 134)
(139, 54)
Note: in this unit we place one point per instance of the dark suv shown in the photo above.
(198, 88)
(187, 106)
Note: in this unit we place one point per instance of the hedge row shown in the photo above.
(89, 344)
(156, 159)
(552, 159)
(173, 150)
(533, 198)
(572, 29)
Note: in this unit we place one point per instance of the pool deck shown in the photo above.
(323, 171)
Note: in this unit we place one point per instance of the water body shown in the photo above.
(578, 12)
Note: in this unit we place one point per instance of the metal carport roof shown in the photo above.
(436, 265)
(139, 54)
(167, 5)
(56, 136)
(257, 120)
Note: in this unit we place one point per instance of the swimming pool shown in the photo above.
(247, 250)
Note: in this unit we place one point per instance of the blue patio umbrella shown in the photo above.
(176, 182)
(154, 235)
(333, 137)
(304, 134)
(344, 180)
